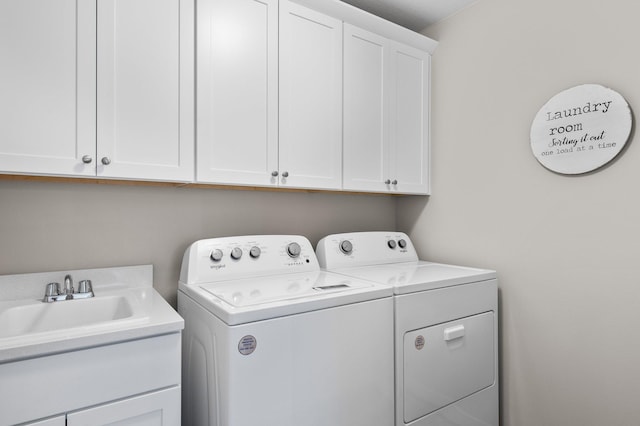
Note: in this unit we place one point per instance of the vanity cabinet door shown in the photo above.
(237, 80)
(310, 149)
(47, 86)
(154, 409)
(145, 90)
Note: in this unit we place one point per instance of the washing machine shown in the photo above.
(271, 340)
(445, 325)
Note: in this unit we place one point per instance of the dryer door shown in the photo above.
(447, 362)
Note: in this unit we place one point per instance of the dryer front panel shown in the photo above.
(447, 362)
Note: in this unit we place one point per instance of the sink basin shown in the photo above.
(125, 308)
(39, 317)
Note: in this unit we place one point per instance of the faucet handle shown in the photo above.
(53, 289)
(84, 286)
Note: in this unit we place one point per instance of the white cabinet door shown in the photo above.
(386, 113)
(145, 89)
(54, 421)
(310, 98)
(366, 111)
(154, 409)
(47, 86)
(237, 80)
(409, 124)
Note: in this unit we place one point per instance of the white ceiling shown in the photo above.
(413, 14)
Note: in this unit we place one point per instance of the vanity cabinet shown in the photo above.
(128, 383)
(269, 84)
(386, 114)
(97, 88)
(154, 409)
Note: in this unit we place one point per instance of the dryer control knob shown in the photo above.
(402, 243)
(216, 255)
(236, 253)
(255, 252)
(346, 247)
(391, 244)
(293, 249)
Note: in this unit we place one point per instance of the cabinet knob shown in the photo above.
(394, 182)
(106, 161)
(285, 174)
(387, 182)
(87, 159)
(274, 173)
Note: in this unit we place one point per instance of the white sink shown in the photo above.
(125, 307)
(38, 317)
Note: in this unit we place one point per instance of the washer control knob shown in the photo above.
(346, 247)
(255, 252)
(402, 243)
(236, 253)
(391, 244)
(293, 249)
(216, 255)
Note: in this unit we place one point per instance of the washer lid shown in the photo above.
(411, 277)
(254, 299)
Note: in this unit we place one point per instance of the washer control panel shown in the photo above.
(218, 259)
(364, 248)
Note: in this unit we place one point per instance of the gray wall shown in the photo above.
(566, 248)
(48, 226)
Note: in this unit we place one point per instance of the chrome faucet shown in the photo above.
(68, 286)
(54, 294)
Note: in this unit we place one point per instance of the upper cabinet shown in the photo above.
(366, 110)
(145, 89)
(269, 95)
(290, 95)
(409, 120)
(97, 88)
(237, 103)
(310, 98)
(386, 113)
(47, 81)
(311, 94)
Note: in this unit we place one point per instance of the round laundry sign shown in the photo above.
(580, 129)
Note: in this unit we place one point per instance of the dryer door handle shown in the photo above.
(453, 333)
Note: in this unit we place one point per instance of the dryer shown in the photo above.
(445, 325)
(272, 340)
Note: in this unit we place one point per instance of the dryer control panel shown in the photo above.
(226, 258)
(364, 249)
